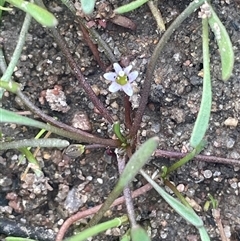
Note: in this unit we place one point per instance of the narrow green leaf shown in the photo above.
(130, 6)
(11, 86)
(19, 239)
(187, 213)
(40, 14)
(166, 171)
(126, 236)
(88, 6)
(90, 232)
(203, 234)
(202, 121)
(50, 142)
(32, 160)
(224, 44)
(138, 233)
(137, 161)
(11, 117)
(117, 132)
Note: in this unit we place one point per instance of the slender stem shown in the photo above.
(82, 214)
(218, 221)
(127, 193)
(17, 52)
(152, 63)
(1, 4)
(92, 46)
(213, 159)
(157, 14)
(127, 105)
(74, 66)
(70, 5)
(72, 132)
(90, 232)
(51, 142)
(32, 161)
(186, 158)
(77, 72)
(177, 193)
(94, 34)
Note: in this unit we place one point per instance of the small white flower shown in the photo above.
(121, 79)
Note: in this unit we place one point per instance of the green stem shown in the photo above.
(153, 61)
(1, 5)
(17, 52)
(177, 193)
(50, 142)
(136, 162)
(90, 232)
(186, 159)
(11, 86)
(35, 165)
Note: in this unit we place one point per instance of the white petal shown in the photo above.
(132, 76)
(110, 76)
(127, 69)
(127, 88)
(117, 68)
(114, 87)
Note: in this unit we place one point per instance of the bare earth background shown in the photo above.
(172, 109)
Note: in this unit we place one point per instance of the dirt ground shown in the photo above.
(172, 110)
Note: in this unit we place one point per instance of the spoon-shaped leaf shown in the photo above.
(88, 6)
(203, 117)
(40, 14)
(137, 161)
(224, 44)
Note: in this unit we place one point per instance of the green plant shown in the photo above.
(125, 147)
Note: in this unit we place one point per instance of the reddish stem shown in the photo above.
(92, 46)
(76, 70)
(127, 106)
(85, 213)
(213, 159)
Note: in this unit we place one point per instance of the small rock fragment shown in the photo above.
(207, 174)
(57, 99)
(80, 121)
(231, 122)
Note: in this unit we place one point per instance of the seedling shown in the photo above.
(131, 155)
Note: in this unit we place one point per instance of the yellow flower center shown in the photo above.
(122, 78)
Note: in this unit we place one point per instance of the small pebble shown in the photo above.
(81, 121)
(227, 231)
(230, 142)
(144, 133)
(231, 122)
(180, 187)
(207, 174)
(100, 180)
